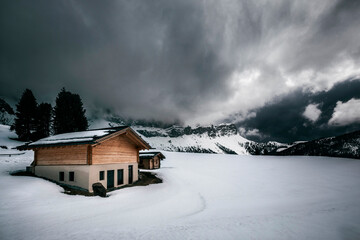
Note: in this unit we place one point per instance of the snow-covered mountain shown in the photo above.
(347, 145)
(224, 138)
(212, 139)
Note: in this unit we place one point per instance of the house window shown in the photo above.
(61, 176)
(120, 176)
(101, 175)
(71, 176)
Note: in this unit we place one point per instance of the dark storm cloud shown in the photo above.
(124, 54)
(335, 33)
(193, 61)
(36, 42)
(283, 119)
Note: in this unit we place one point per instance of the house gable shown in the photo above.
(130, 134)
(118, 149)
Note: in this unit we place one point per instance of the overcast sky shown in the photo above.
(193, 61)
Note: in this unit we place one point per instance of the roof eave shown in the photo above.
(30, 147)
(141, 143)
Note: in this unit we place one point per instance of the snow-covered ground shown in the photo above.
(203, 196)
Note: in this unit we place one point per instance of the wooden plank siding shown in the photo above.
(89, 155)
(67, 155)
(35, 156)
(156, 162)
(119, 149)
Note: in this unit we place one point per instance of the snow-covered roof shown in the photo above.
(147, 155)
(83, 137)
(150, 154)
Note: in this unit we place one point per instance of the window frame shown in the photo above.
(72, 176)
(61, 176)
(101, 175)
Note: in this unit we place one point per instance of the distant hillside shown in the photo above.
(347, 145)
(7, 137)
(212, 139)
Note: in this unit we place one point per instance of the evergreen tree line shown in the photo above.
(34, 121)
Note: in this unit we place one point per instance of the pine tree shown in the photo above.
(25, 120)
(69, 113)
(187, 130)
(43, 120)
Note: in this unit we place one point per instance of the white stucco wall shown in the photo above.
(52, 172)
(86, 175)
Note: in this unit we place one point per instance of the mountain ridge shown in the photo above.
(346, 145)
(223, 138)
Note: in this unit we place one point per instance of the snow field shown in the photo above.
(203, 196)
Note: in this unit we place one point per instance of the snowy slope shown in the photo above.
(203, 196)
(6, 135)
(220, 139)
(6, 142)
(347, 145)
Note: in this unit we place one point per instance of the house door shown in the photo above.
(130, 174)
(110, 179)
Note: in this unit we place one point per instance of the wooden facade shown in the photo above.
(116, 150)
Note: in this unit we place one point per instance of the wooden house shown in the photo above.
(150, 160)
(79, 159)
